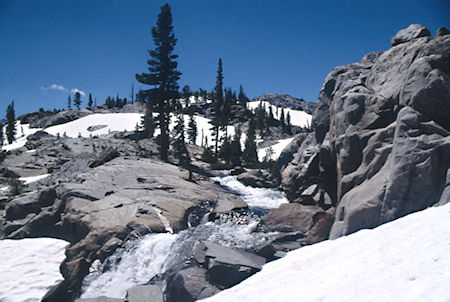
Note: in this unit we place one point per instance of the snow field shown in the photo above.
(30, 267)
(298, 118)
(20, 137)
(405, 260)
(108, 122)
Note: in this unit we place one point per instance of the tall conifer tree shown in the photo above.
(77, 100)
(11, 120)
(216, 120)
(163, 76)
(90, 101)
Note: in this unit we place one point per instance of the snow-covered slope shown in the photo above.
(23, 130)
(298, 118)
(404, 260)
(101, 124)
(106, 122)
(30, 267)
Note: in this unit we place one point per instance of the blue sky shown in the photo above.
(51, 47)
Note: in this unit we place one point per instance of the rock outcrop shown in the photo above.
(381, 144)
(100, 193)
(286, 101)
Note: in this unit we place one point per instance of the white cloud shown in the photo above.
(75, 90)
(54, 87)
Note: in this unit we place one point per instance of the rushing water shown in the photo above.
(144, 258)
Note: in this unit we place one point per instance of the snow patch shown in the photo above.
(30, 267)
(298, 117)
(404, 260)
(30, 179)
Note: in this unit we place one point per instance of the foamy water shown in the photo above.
(254, 197)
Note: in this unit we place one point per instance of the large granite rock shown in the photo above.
(190, 284)
(226, 266)
(59, 118)
(145, 293)
(286, 101)
(96, 209)
(412, 32)
(381, 140)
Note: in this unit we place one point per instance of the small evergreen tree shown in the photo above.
(148, 124)
(11, 123)
(236, 149)
(77, 100)
(186, 94)
(90, 102)
(282, 121)
(179, 146)
(192, 129)
(242, 98)
(132, 94)
(2, 139)
(250, 154)
(288, 123)
(69, 103)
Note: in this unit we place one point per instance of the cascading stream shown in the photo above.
(148, 256)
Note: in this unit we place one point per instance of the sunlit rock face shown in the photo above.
(381, 141)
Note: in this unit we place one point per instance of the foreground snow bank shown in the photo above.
(404, 260)
(30, 267)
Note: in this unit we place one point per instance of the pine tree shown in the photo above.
(69, 103)
(179, 145)
(250, 154)
(132, 93)
(186, 94)
(2, 139)
(216, 120)
(163, 76)
(90, 102)
(282, 122)
(11, 120)
(288, 123)
(192, 129)
(77, 100)
(147, 126)
(236, 149)
(242, 98)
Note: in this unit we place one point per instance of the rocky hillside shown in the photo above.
(286, 101)
(381, 145)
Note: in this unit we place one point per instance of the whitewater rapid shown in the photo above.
(154, 254)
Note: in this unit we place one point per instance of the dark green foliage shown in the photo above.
(235, 149)
(11, 123)
(186, 94)
(132, 93)
(90, 101)
(2, 138)
(217, 118)
(192, 129)
(242, 98)
(208, 156)
(146, 128)
(283, 123)
(69, 103)
(288, 123)
(250, 155)
(179, 146)
(163, 76)
(77, 100)
(110, 103)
